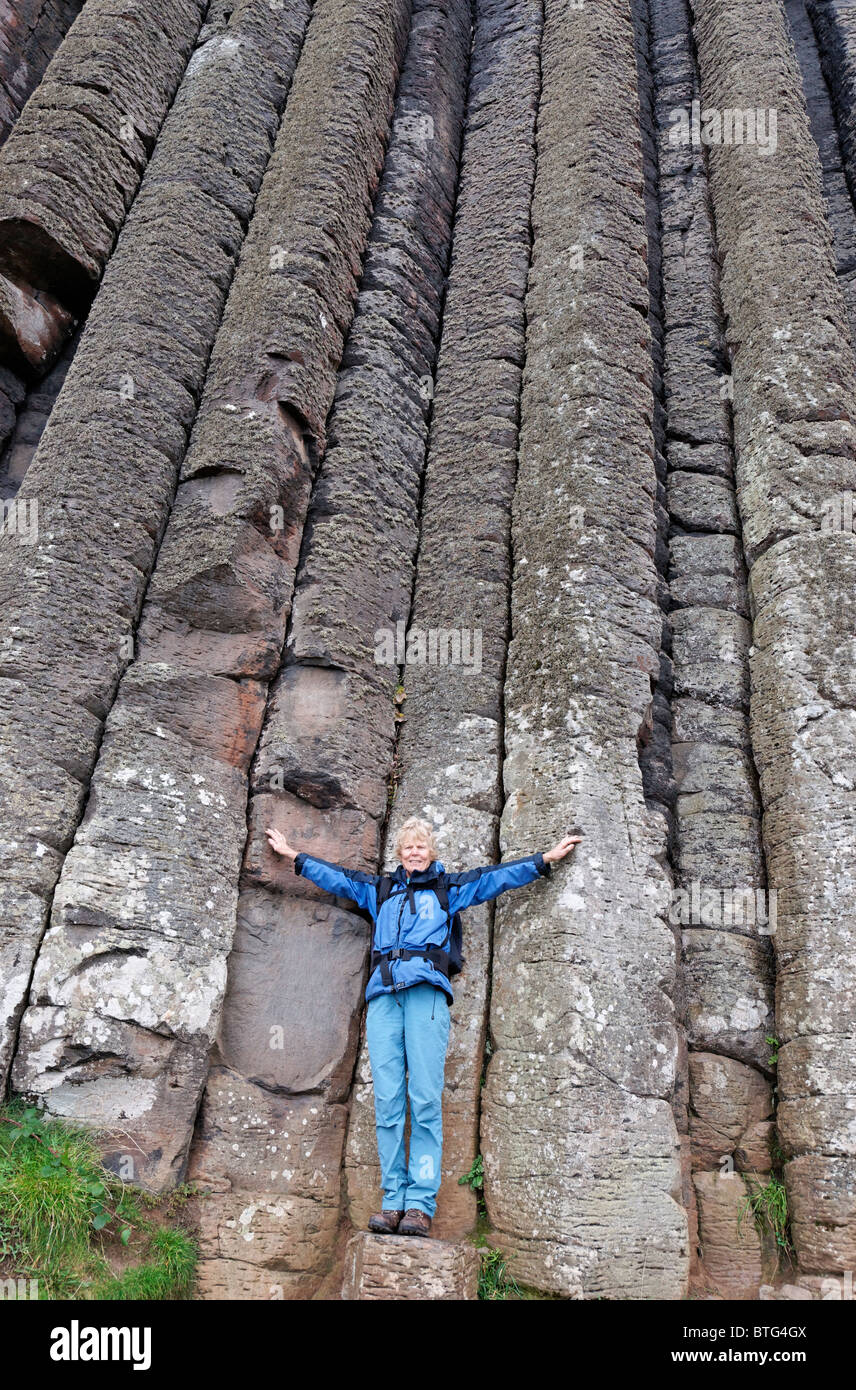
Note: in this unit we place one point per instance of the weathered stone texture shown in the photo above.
(28, 423)
(30, 33)
(397, 1267)
(449, 748)
(824, 61)
(731, 1246)
(794, 407)
(587, 1196)
(103, 476)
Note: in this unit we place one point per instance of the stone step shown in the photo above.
(409, 1267)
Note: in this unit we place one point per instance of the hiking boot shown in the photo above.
(415, 1223)
(385, 1223)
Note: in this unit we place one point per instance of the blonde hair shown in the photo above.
(415, 825)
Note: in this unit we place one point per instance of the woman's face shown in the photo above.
(415, 854)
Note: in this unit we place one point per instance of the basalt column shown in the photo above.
(450, 743)
(818, 68)
(30, 33)
(101, 482)
(269, 1144)
(794, 406)
(581, 1152)
(129, 984)
(720, 904)
(73, 163)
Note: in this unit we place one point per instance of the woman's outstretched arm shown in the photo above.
(344, 883)
(480, 885)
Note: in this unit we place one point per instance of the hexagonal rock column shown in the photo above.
(794, 410)
(30, 33)
(409, 1268)
(128, 989)
(297, 970)
(449, 748)
(583, 1177)
(835, 26)
(72, 165)
(101, 482)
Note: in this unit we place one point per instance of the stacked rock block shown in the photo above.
(815, 68)
(290, 1026)
(834, 23)
(794, 384)
(719, 867)
(449, 750)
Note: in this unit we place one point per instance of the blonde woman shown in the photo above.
(415, 950)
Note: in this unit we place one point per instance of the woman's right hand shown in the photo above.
(279, 844)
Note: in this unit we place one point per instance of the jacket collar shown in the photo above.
(416, 879)
(419, 875)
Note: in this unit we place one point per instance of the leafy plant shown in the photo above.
(475, 1177)
(774, 1045)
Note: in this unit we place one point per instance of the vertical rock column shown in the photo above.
(102, 480)
(815, 63)
(73, 163)
(449, 750)
(834, 24)
(727, 963)
(269, 1143)
(581, 1151)
(794, 407)
(30, 33)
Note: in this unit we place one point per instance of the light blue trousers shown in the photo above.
(408, 1031)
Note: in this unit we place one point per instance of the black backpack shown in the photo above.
(448, 958)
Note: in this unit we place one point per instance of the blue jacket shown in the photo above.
(412, 918)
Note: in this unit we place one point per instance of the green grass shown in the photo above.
(767, 1204)
(68, 1223)
(494, 1279)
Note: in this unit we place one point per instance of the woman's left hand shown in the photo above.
(564, 847)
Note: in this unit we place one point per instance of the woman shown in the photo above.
(413, 955)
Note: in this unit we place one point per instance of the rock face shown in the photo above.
(526, 328)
